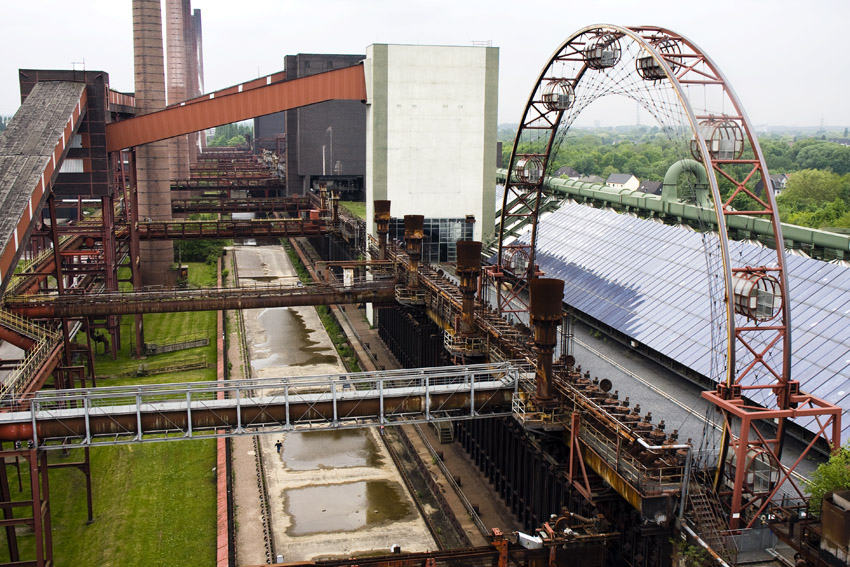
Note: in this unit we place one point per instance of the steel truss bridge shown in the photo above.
(166, 412)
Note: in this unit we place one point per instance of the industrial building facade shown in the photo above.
(431, 138)
(321, 143)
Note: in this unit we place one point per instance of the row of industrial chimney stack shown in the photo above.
(160, 162)
(546, 309)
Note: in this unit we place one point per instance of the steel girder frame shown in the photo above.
(724, 141)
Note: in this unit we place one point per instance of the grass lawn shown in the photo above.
(356, 208)
(154, 503)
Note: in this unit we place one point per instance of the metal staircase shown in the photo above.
(704, 509)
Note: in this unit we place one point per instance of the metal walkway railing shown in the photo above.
(135, 414)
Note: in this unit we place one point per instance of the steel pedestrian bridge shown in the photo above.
(165, 412)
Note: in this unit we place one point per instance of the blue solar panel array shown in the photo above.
(649, 281)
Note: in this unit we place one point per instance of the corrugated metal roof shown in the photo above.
(27, 145)
(648, 281)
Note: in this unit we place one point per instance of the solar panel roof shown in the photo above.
(649, 281)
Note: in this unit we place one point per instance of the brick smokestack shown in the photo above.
(152, 168)
(176, 13)
(199, 51)
(192, 89)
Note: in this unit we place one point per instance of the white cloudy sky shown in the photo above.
(786, 59)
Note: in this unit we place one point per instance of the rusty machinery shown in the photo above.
(412, 293)
(382, 224)
(463, 339)
(605, 436)
(547, 296)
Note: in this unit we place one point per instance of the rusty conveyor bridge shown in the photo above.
(135, 414)
(204, 299)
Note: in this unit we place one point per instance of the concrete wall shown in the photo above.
(431, 131)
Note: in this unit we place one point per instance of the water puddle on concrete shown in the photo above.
(330, 449)
(288, 342)
(345, 507)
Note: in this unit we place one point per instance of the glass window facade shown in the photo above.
(440, 237)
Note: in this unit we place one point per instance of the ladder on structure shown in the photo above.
(445, 431)
(704, 509)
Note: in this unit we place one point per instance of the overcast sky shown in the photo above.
(786, 60)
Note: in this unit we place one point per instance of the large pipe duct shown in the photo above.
(414, 233)
(382, 221)
(547, 296)
(669, 190)
(468, 269)
(152, 167)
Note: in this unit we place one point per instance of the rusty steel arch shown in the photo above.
(676, 82)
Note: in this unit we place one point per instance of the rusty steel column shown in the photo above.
(135, 251)
(414, 232)
(176, 52)
(468, 269)
(6, 498)
(152, 166)
(382, 220)
(335, 208)
(113, 323)
(323, 196)
(547, 296)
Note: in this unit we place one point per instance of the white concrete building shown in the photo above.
(431, 139)
(622, 181)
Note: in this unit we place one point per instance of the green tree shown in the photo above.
(829, 476)
(812, 185)
(227, 135)
(828, 156)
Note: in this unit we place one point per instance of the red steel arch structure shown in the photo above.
(672, 79)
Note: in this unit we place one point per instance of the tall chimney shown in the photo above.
(152, 171)
(199, 69)
(175, 27)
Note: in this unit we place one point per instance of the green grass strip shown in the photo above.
(154, 503)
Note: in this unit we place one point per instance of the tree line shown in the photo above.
(231, 135)
(817, 193)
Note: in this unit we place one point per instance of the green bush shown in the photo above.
(206, 251)
(828, 477)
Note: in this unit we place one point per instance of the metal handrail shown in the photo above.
(33, 360)
(26, 327)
